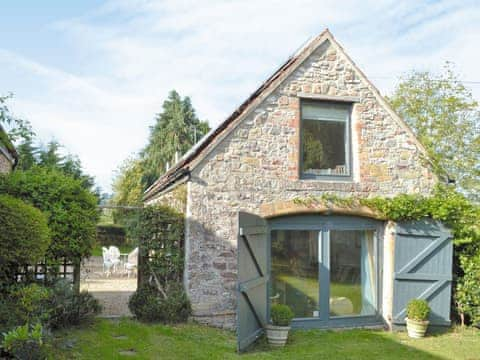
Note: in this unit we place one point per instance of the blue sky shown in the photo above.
(92, 74)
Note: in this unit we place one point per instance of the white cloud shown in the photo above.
(217, 52)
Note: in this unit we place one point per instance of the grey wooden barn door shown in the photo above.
(252, 278)
(423, 269)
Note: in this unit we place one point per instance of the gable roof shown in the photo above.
(200, 150)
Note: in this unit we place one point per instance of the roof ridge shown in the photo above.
(192, 152)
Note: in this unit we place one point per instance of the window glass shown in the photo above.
(324, 140)
(295, 271)
(352, 273)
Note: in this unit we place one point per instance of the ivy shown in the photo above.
(444, 204)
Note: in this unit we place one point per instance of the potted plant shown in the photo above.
(417, 315)
(277, 331)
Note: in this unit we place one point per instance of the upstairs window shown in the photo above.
(325, 140)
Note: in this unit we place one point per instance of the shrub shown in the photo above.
(72, 209)
(31, 304)
(418, 309)
(149, 306)
(24, 235)
(8, 319)
(111, 234)
(69, 308)
(281, 315)
(24, 342)
(467, 295)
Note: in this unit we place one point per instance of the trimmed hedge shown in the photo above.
(71, 209)
(24, 232)
(111, 234)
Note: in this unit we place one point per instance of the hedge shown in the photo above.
(24, 235)
(71, 209)
(111, 234)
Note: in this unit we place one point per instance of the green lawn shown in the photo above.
(309, 288)
(105, 339)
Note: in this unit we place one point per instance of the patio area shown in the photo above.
(113, 291)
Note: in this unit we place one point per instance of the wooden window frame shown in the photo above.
(348, 142)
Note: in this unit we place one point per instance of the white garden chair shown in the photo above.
(107, 263)
(114, 256)
(132, 262)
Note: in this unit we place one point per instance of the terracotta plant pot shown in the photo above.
(416, 329)
(277, 335)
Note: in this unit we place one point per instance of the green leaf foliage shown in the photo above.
(16, 128)
(24, 232)
(445, 204)
(176, 129)
(25, 342)
(160, 296)
(446, 119)
(160, 229)
(281, 315)
(70, 208)
(418, 309)
(467, 295)
(149, 306)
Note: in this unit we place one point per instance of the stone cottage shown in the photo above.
(316, 126)
(8, 154)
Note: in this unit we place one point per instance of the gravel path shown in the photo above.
(113, 291)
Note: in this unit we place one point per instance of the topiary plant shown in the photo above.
(281, 315)
(418, 310)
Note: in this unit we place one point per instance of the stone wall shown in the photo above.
(177, 199)
(258, 163)
(5, 164)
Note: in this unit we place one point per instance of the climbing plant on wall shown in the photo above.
(160, 232)
(160, 295)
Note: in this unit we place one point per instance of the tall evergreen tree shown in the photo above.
(176, 129)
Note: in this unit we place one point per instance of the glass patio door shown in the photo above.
(324, 274)
(352, 273)
(295, 265)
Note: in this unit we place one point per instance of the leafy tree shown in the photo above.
(27, 152)
(70, 207)
(17, 128)
(49, 156)
(446, 119)
(176, 129)
(127, 185)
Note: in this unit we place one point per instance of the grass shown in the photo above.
(309, 288)
(105, 339)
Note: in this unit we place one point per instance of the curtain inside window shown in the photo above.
(368, 274)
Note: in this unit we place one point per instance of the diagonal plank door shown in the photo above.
(252, 278)
(423, 269)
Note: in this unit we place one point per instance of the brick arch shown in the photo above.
(292, 207)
